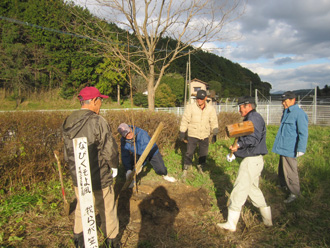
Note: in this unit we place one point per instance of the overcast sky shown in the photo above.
(287, 42)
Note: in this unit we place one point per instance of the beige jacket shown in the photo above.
(199, 123)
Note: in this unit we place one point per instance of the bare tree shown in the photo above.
(188, 25)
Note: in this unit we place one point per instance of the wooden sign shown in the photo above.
(85, 191)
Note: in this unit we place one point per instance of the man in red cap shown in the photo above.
(103, 159)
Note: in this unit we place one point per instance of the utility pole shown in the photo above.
(186, 86)
(315, 105)
(189, 76)
(250, 88)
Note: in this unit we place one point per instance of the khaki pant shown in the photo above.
(247, 184)
(104, 202)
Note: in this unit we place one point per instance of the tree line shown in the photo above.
(55, 44)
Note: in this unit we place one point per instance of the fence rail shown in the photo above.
(272, 113)
(317, 114)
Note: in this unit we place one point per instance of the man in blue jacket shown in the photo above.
(141, 138)
(290, 143)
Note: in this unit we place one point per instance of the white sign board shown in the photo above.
(84, 181)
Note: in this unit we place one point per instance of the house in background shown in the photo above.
(195, 86)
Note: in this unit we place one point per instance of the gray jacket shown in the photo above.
(102, 147)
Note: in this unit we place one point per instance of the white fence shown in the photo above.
(317, 114)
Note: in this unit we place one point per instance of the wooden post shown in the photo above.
(138, 166)
(85, 191)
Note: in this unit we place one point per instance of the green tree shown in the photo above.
(112, 79)
(139, 99)
(176, 83)
(164, 96)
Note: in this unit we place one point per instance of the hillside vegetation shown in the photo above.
(41, 50)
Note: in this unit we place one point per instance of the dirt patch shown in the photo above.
(161, 213)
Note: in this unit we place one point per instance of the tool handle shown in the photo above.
(60, 173)
(235, 144)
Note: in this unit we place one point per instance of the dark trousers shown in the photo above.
(203, 150)
(288, 174)
(157, 163)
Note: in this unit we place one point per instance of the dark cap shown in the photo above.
(201, 94)
(288, 95)
(124, 129)
(245, 100)
(88, 93)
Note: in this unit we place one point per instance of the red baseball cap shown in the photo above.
(90, 93)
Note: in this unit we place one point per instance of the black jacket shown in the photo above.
(255, 143)
(102, 147)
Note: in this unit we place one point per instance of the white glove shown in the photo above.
(114, 172)
(299, 154)
(230, 159)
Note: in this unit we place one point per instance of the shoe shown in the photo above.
(200, 168)
(266, 214)
(79, 240)
(291, 198)
(185, 170)
(282, 187)
(170, 179)
(112, 243)
(230, 225)
(128, 173)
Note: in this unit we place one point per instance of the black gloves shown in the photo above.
(215, 131)
(182, 135)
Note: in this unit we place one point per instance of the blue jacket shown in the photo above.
(293, 132)
(255, 143)
(142, 139)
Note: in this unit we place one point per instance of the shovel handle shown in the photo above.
(60, 173)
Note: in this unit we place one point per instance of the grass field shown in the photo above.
(33, 216)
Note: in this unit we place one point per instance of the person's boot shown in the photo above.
(231, 223)
(185, 170)
(200, 168)
(79, 240)
(112, 243)
(266, 214)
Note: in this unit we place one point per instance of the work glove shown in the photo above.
(230, 159)
(114, 172)
(182, 135)
(299, 154)
(215, 131)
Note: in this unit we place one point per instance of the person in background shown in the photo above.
(251, 148)
(290, 143)
(199, 119)
(103, 159)
(133, 142)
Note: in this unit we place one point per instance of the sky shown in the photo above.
(286, 42)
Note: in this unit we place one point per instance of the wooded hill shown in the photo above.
(40, 49)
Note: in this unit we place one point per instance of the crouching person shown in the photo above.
(251, 148)
(103, 160)
(134, 141)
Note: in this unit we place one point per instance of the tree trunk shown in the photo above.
(151, 94)
(151, 87)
